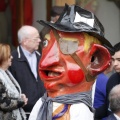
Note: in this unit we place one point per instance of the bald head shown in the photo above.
(114, 99)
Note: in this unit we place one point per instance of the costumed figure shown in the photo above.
(74, 52)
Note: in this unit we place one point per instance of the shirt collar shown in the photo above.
(27, 53)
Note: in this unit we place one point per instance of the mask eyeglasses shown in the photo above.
(66, 46)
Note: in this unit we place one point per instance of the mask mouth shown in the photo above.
(53, 74)
(50, 74)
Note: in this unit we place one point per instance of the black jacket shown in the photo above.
(103, 111)
(111, 117)
(33, 88)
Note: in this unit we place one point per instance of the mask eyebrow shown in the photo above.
(69, 39)
(47, 36)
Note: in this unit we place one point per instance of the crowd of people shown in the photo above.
(69, 80)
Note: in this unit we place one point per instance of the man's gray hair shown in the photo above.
(24, 32)
(114, 99)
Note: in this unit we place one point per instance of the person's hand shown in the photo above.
(25, 99)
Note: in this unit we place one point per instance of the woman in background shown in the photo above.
(11, 99)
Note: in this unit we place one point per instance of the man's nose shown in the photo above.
(39, 40)
(50, 57)
(115, 62)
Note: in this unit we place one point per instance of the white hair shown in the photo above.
(24, 32)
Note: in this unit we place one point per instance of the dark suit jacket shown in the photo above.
(111, 117)
(33, 88)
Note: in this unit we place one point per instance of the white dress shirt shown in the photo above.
(32, 60)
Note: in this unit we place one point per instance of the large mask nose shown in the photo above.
(51, 56)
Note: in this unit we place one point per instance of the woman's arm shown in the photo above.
(8, 103)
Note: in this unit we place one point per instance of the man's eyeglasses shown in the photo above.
(34, 39)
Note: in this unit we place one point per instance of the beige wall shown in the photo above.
(109, 15)
(62, 2)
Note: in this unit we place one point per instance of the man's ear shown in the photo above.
(99, 61)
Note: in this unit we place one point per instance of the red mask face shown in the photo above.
(58, 70)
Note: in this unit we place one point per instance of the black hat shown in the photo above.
(76, 19)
